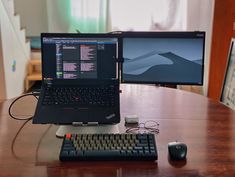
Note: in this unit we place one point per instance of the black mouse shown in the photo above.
(177, 150)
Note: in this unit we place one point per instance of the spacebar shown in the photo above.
(101, 153)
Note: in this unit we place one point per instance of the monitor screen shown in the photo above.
(79, 56)
(163, 57)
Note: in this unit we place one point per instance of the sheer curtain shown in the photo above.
(89, 15)
(134, 15)
(148, 15)
(78, 15)
(110, 15)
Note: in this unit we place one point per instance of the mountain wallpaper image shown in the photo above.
(162, 67)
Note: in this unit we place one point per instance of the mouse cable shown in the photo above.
(35, 94)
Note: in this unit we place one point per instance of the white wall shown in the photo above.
(11, 50)
(200, 17)
(33, 15)
(2, 75)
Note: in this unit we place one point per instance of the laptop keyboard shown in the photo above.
(82, 96)
(77, 147)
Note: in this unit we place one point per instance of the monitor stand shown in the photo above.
(63, 129)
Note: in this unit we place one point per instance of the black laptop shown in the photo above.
(80, 83)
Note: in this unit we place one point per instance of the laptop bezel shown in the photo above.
(78, 35)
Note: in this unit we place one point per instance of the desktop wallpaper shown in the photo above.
(163, 60)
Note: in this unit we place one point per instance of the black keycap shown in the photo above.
(78, 147)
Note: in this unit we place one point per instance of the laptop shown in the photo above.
(80, 83)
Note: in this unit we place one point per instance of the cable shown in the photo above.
(40, 140)
(38, 145)
(35, 94)
(145, 127)
(14, 139)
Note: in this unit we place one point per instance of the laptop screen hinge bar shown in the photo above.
(77, 123)
(84, 124)
(92, 123)
(48, 83)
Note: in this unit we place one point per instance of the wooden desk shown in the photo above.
(207, 127)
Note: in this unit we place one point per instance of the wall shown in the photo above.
(33, 15)
(2, 75)
(11, 50)
(202, 21)
(223, 30)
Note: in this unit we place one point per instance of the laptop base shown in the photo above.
(63, 129)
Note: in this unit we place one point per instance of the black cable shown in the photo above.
(35, 94)
(38, 145)
(40, 140)
(14, 139)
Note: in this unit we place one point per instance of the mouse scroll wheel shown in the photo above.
(178, 147)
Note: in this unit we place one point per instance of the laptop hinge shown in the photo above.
(92, 123)
(84, 124)
(48, 82)
(77, 123)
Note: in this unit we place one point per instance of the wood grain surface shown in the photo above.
(206, 126)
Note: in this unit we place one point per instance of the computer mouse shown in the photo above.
(177, 150)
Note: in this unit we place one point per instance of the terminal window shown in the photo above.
(76, 61)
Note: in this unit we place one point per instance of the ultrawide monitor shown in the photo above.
(163, 57)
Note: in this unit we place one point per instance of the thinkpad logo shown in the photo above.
(110, 116)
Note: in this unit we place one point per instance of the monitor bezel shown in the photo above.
(160, 34)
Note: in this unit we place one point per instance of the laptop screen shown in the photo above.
(79, 56)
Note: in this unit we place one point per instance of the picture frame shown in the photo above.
(228, 89)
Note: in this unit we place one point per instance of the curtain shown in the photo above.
(58, 16)
(110, 15)
(87, 16)
(134, 15)
(169, 15)
(148, 15)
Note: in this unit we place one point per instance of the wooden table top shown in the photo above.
(206, 126)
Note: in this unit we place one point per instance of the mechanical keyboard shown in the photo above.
(81, 147)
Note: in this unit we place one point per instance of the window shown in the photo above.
(111, 15)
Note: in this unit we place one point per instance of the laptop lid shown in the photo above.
(74, 58)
